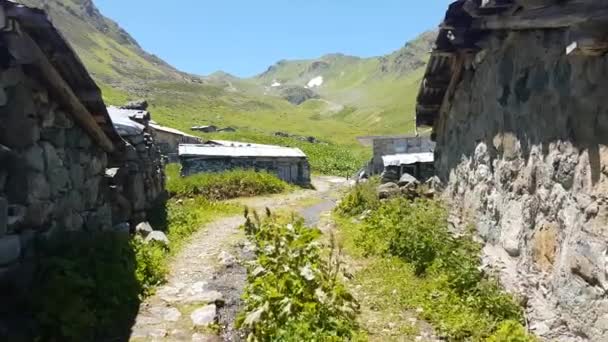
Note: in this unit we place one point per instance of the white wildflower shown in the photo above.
(307, 273)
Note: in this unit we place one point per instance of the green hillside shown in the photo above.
(358, 96)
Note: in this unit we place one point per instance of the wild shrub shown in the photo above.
(453, 288)
(224, 185)
(360, 198)
(294, 293)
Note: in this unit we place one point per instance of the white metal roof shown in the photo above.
(229, 143)
(121, 118)
(408, 158)
(198, 150)
(171, 130)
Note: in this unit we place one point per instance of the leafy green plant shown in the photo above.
(224, 185)
(360, 198)
(293, 292)
(441, 270)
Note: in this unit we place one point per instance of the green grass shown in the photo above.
(410, 256)
(224, 185)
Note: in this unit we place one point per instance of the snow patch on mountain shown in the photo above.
(315, 82)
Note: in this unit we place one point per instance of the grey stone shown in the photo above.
(90, 192)
(204, 297)
(198, 337)
(38, 213)
(34, 158)
(3, 216)
(204, 316)
(59, 181)
(95, 167)
(171, 315)
(38, 187)
(10, 249)
(144, 229)
(63, 121)
(16, 216)
(226, 259)
(136, 105)
(157, 237)
(407, 179)
(52, 160)
(388, 190)
(136, 140)
(77, 176)
(55, 136)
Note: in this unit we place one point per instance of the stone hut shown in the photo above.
(137, 180)
(169, 139)
(383, 146)
(516, 94)
(56, 138)
(289, 164)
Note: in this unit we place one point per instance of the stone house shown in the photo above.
(56, 138)
(169, 139)
(516, 94)
(289, 164)
(383, 146)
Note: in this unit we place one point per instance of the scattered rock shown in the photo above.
(204, 316)
(205, 297)
(172, 315)
(407, 179)
(227, 259)
(388, 190)
(158, 237)
(136, 105)
(144, 229)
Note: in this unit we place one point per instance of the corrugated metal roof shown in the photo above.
(190, 150)
(171, 130)
(121, 118)
(408, 159)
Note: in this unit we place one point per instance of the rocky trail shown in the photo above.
(201, 298)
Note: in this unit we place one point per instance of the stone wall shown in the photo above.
(137, 178)
(523, 152)
(292, 170)
(397, 145)
(51, 173)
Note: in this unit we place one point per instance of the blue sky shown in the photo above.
(244, 37)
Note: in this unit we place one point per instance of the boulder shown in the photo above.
(204, 316)
(407, 179)
(136, 105)
(158, 237)
(388, 190)
(10, 249)
(144, 229)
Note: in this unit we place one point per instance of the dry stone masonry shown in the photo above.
(521, 123)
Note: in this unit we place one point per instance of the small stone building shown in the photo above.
(289, 164)
(383, 146)
(169, 139)
(419, 165)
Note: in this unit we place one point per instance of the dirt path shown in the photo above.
(206, 278)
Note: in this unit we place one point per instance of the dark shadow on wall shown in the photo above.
(78, 286)
(535, 96)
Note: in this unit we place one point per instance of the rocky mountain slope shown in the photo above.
(335, 96)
